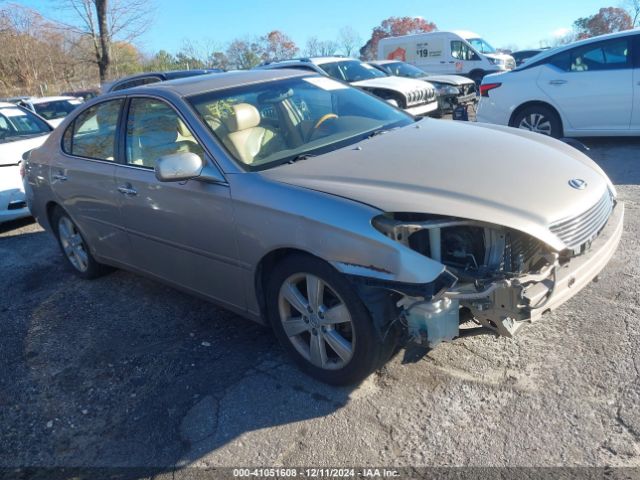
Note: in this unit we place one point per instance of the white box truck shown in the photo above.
(460, 53)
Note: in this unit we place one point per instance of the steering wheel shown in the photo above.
(310, 133)
(323, 119)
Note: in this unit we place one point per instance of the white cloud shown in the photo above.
(561, 32)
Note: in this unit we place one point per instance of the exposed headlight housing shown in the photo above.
(473, 251)
(497, 61)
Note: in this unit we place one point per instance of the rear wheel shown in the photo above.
(539, 119)
(74, 247)
(321, 322)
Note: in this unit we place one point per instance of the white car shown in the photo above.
(416, 97)
(52, 109)
(20, 131)
(587, 88)
(459, 53)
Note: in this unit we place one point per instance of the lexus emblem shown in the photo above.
(577, 183)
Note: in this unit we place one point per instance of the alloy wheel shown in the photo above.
(316, 321)
(73, 244)
(536, 122)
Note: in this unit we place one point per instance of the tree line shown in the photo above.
(95, 40)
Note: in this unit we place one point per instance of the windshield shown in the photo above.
(402, 69)
(56, 108)
(351, 70)
(268, 124)
(17, 123)
(480, 45)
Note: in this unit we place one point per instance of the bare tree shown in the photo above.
(350, 41)
(320, 48)
(105, 21)
(633, 7)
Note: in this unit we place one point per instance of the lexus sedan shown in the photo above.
(346, 224)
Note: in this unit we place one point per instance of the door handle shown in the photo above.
(557, 82)
(128, 190)
(60, 177)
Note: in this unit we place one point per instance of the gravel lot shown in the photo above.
(124, 371)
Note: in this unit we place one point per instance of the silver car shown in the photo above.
(346, 224)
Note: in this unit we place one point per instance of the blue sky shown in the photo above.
(500, 22)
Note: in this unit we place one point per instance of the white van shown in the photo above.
(460, 53)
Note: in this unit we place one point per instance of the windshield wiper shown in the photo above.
(375, 133)
(302, 156)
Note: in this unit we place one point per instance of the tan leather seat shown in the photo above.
(246, 136)
(156, 135)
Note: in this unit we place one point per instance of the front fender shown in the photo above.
(271, 216)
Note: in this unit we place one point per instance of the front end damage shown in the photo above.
(495, 278)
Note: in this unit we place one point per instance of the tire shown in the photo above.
(340, 353)
(539, 119)
(477, 76)
(74, 247)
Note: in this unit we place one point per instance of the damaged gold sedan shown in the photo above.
(343, 222)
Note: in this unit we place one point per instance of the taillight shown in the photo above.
(22, 170)
(484, 88)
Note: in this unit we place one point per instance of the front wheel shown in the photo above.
(321, 322)
(539, 119)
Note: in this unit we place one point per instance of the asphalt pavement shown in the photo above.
(126, 372)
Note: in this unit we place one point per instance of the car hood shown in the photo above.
(483, 172)
(11, 152)
(456, 80)
(399, 84)
(501, 56)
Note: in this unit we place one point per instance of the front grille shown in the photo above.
(583, 228)
(418, 97)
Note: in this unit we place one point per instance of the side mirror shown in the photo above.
(178, 167)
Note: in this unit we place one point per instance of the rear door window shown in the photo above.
(93, 133)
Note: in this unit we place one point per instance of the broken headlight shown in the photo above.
(471, 250)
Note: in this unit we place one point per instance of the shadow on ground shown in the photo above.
(125, 372)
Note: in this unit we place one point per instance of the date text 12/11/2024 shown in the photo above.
(315, 472)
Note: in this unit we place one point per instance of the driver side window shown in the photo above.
(154, 129)
(461, 51)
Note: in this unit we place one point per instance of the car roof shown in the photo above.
(308, 60)
(220, 81)
(8, 105)
(169, 74)
(37, 100)
(553, 51)
(466, 34)
(384, 62)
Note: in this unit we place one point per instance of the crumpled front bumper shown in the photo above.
(526, 299)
